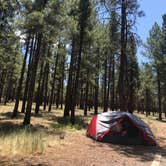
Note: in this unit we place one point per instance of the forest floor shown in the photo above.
(48, 142)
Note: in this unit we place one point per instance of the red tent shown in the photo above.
(120, 127)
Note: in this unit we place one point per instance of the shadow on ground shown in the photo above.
(8, 128)
(56, 124)
(138, 152)
(141, 153)
(163, 120)
(61, 122)
(8, 115)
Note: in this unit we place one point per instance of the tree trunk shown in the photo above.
(75, 89)
(53, 83)
(8, 89)
(84, 14)
(86, 96)
(123, 61)
(58, 93)
(32, 82)
(70, 80)
(131, 93)
(109, 83)
(32, 50)
(39, 95)
(105, 88)
(159, 95)
(19, 88)
(113, 84)
(3, 78)
(81, 95)
(46, 73)
(96, 103)
(13, 94)
(62, 87)
(147, 101)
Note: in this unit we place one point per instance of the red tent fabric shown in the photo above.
(120, 127)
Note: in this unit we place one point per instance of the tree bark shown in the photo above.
(53, 83)
(147, 101)
(69, 94)
(159, 94)
(19, 88)
(96, 103)
(8, 89)
(86, 96)
(123, 61)
(32, 82)
(109, 82)
(39, 94)
(3, 78)
(32, 50)
(131, 93)
(62, 81)
(75, 89)
(58, 93)
(46, 73)
(113, 84)
(81, 96)
(105, 88)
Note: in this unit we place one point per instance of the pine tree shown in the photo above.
(154, 44)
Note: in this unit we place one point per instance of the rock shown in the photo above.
(62, 136)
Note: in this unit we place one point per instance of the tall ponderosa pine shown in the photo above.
(154, 48)
(83, 14)
(35, 60)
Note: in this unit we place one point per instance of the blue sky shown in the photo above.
(153, 9)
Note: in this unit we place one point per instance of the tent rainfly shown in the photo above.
(121, 128)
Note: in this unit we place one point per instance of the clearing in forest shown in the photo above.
(49, 142)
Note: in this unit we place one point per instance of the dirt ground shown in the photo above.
(75, 149)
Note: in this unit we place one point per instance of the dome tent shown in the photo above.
(120, 127)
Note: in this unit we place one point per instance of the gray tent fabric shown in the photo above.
(107, 121)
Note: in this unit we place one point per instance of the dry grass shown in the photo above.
(22, 141)
(47, 130)
(17, 139)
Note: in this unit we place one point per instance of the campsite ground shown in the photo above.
(48, 142)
